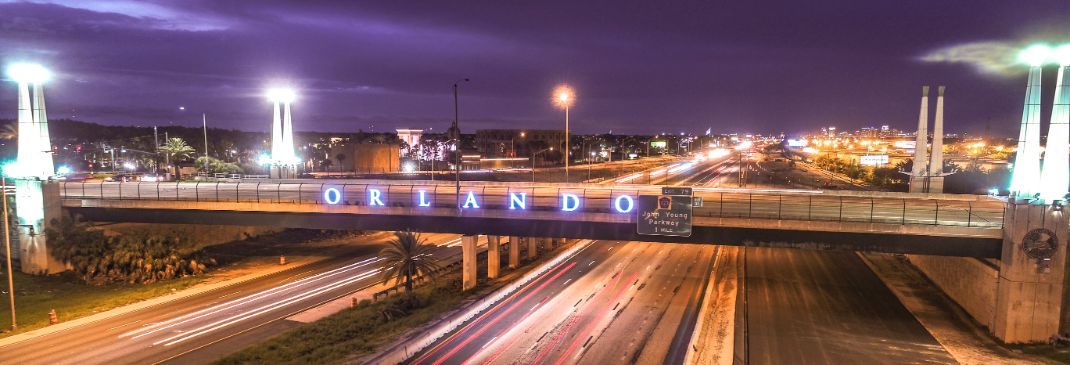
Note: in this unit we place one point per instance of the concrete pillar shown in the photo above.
(533, 250)
(468, 262)
(1032, 275)
(514, 252)
(37, 203)
(494, 256)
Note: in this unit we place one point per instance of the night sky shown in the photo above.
(637, 67)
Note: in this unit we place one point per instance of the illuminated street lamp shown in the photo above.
(563, 98)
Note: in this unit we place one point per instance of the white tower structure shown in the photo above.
(935, 180)
(1026, 175)
(34, 146)
(936, 156)
(283, 159)
(1055, 177)
(37, 199)
(921, 157)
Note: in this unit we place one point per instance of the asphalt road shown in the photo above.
(815, 307)
(611, 303)
(207, 326)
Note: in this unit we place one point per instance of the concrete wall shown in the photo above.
(970, 282)
(366, 158)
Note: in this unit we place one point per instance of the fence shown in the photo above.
(724, 203)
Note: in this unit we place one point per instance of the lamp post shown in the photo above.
(457, 140)
(7, 248)
(533, 161)
(204, 124)
(564, 97)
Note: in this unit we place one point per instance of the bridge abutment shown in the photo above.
(1021, 297)
(36, 204)
(1032, 273)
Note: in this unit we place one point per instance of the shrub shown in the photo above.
(142, 257)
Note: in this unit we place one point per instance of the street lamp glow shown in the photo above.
(1035, 55)
(282, 95)
(29, 73)
(564, 96)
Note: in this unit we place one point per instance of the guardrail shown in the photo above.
(803, 205)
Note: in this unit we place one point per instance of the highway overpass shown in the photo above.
(933, 224)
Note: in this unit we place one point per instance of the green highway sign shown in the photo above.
(672, 190)
(664, 215)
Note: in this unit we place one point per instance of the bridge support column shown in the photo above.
(514, 252)
(469, 266)
(37, 203)
(494, 256)
(533, 249)
(1029, 295)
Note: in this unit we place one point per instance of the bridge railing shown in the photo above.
(718, 203)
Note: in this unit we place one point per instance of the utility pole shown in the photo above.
(7, 246)
(456, 131)
(204, 121)
(156, 156)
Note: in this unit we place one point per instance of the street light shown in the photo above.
(563, 98)
(533, 161)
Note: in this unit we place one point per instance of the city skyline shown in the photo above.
(376, 67)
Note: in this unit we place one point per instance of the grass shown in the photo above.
(35, 296)
(354, 332)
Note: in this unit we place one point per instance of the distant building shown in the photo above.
(365, 158)
(493, 143)
(411, 137)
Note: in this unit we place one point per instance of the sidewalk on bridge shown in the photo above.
(213, 282)
(713, 341)
(949, 324)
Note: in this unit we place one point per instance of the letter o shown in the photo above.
(617, 203)
(332, 196)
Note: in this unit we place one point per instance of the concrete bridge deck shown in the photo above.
(937, 224)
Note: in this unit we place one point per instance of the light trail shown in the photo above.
(251, 313)
(227, 305)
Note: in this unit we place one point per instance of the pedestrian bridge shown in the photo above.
(937, 224)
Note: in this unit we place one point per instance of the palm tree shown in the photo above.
(405, 257)
(177, 149)
(9, 131)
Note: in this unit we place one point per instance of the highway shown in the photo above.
(634, 302)
(824, 307)
(813, 307)
(613, 302)
(204, 327)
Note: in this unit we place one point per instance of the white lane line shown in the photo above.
(227, 305)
